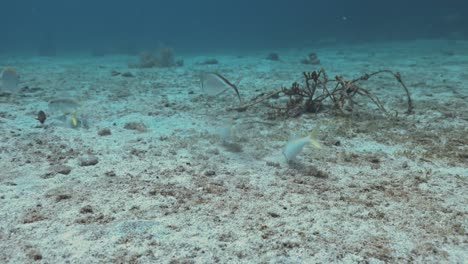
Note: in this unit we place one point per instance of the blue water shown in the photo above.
(129, 26)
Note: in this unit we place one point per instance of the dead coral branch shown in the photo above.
(318, 89)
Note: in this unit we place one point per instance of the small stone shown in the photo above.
(34, 254)
(273, 56)
(315, 172)
(104, 132)
(88, 160)
(458, 228)
(138, 126)
(62, 197)
(273, 164)
(321, 174)
(179, 63)
(449, 114)
(210, 173)
(63, 169)
(127, 74)
(273, 214)
(210, 62)
(86, 210)
(404, 165)
(110, 173)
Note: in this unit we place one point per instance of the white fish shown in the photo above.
(69, 111)
(296, 144)
(215, 84)
(64, 106)
(228, 133)
(9, 80)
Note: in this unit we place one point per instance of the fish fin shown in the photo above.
(239, 81)
(229, 84)
(220, 93)
(237, 89)
(204, 77)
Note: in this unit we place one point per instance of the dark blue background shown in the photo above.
(200, 25)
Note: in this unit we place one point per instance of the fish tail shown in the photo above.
(314, 142)
(74, 121)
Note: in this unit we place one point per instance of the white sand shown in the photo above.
(396, 190)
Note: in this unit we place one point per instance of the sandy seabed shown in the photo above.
(148, 178)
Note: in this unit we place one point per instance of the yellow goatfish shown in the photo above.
(296, 144)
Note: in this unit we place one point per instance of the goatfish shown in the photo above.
(296, 144)
(214, 84)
